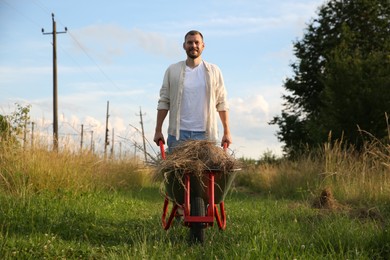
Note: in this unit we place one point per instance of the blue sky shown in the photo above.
(118, 51)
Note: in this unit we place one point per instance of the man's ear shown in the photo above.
(184, 44)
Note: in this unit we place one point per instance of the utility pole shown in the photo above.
(55, 103)
(143, 133)
(82, 137)
(120, 150)
(32, 135)
(112, 145)
(106, 142)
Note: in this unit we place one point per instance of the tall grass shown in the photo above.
(25, 171)
(358, 177)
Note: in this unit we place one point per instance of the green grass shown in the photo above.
(70, 205)
(127, 225)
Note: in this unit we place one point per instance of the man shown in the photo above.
(193, 92)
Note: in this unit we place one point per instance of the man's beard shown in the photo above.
(193, 56)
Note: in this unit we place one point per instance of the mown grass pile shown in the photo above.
(197, 156)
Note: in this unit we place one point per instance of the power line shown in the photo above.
(79, 66)
(40, 5)
(21, 13)
(94, 62)
(72, 36)
(82, 48)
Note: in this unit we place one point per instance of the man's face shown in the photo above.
(193, 46)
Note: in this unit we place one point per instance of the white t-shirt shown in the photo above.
(194, 106)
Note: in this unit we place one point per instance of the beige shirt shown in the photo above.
(171, 97)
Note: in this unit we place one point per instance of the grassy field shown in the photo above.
(127, 225)
(78, 206)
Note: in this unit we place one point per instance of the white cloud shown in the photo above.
(253, 110)
(107, 41)
(249, 117)
(118, 124)
(273, 16)
(93, 122)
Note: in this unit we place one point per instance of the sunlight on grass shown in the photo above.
(24, 171)
(357, 177)
(79, 205)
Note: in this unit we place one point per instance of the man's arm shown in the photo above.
(158, 135)
(226, 138)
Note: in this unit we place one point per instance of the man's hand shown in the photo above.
(157, 137)
(161, 114)
(226, 139)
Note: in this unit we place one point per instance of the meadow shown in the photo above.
(69, 205)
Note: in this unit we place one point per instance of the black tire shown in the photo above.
(197, 229)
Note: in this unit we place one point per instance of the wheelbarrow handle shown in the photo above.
(225, 145)
(162, 149)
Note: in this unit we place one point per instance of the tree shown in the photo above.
(13, 125)
(341, 79)
(5, 128)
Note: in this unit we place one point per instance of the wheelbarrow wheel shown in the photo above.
(197, 229)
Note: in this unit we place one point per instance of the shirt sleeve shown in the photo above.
(221, 93)
(164, 101)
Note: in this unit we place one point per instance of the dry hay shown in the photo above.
(371, 213)
(326, 200)
(197, 156)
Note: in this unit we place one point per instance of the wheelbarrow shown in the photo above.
(197, 197)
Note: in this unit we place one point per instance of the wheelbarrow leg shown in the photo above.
(167, 225)
(221, 220)
(211, 212)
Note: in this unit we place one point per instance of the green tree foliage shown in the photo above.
(4, 128)
(341, 79)
(20, 118)
(13, 125)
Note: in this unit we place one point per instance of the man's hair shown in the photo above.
(193, 32)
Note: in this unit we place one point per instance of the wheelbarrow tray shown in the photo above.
(174, 185)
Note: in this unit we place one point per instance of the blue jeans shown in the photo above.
(184, 136)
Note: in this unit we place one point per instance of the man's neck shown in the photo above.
(192, 63)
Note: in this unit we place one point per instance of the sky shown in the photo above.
(118, 51)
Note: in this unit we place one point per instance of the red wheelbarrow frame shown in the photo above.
(212, 209)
